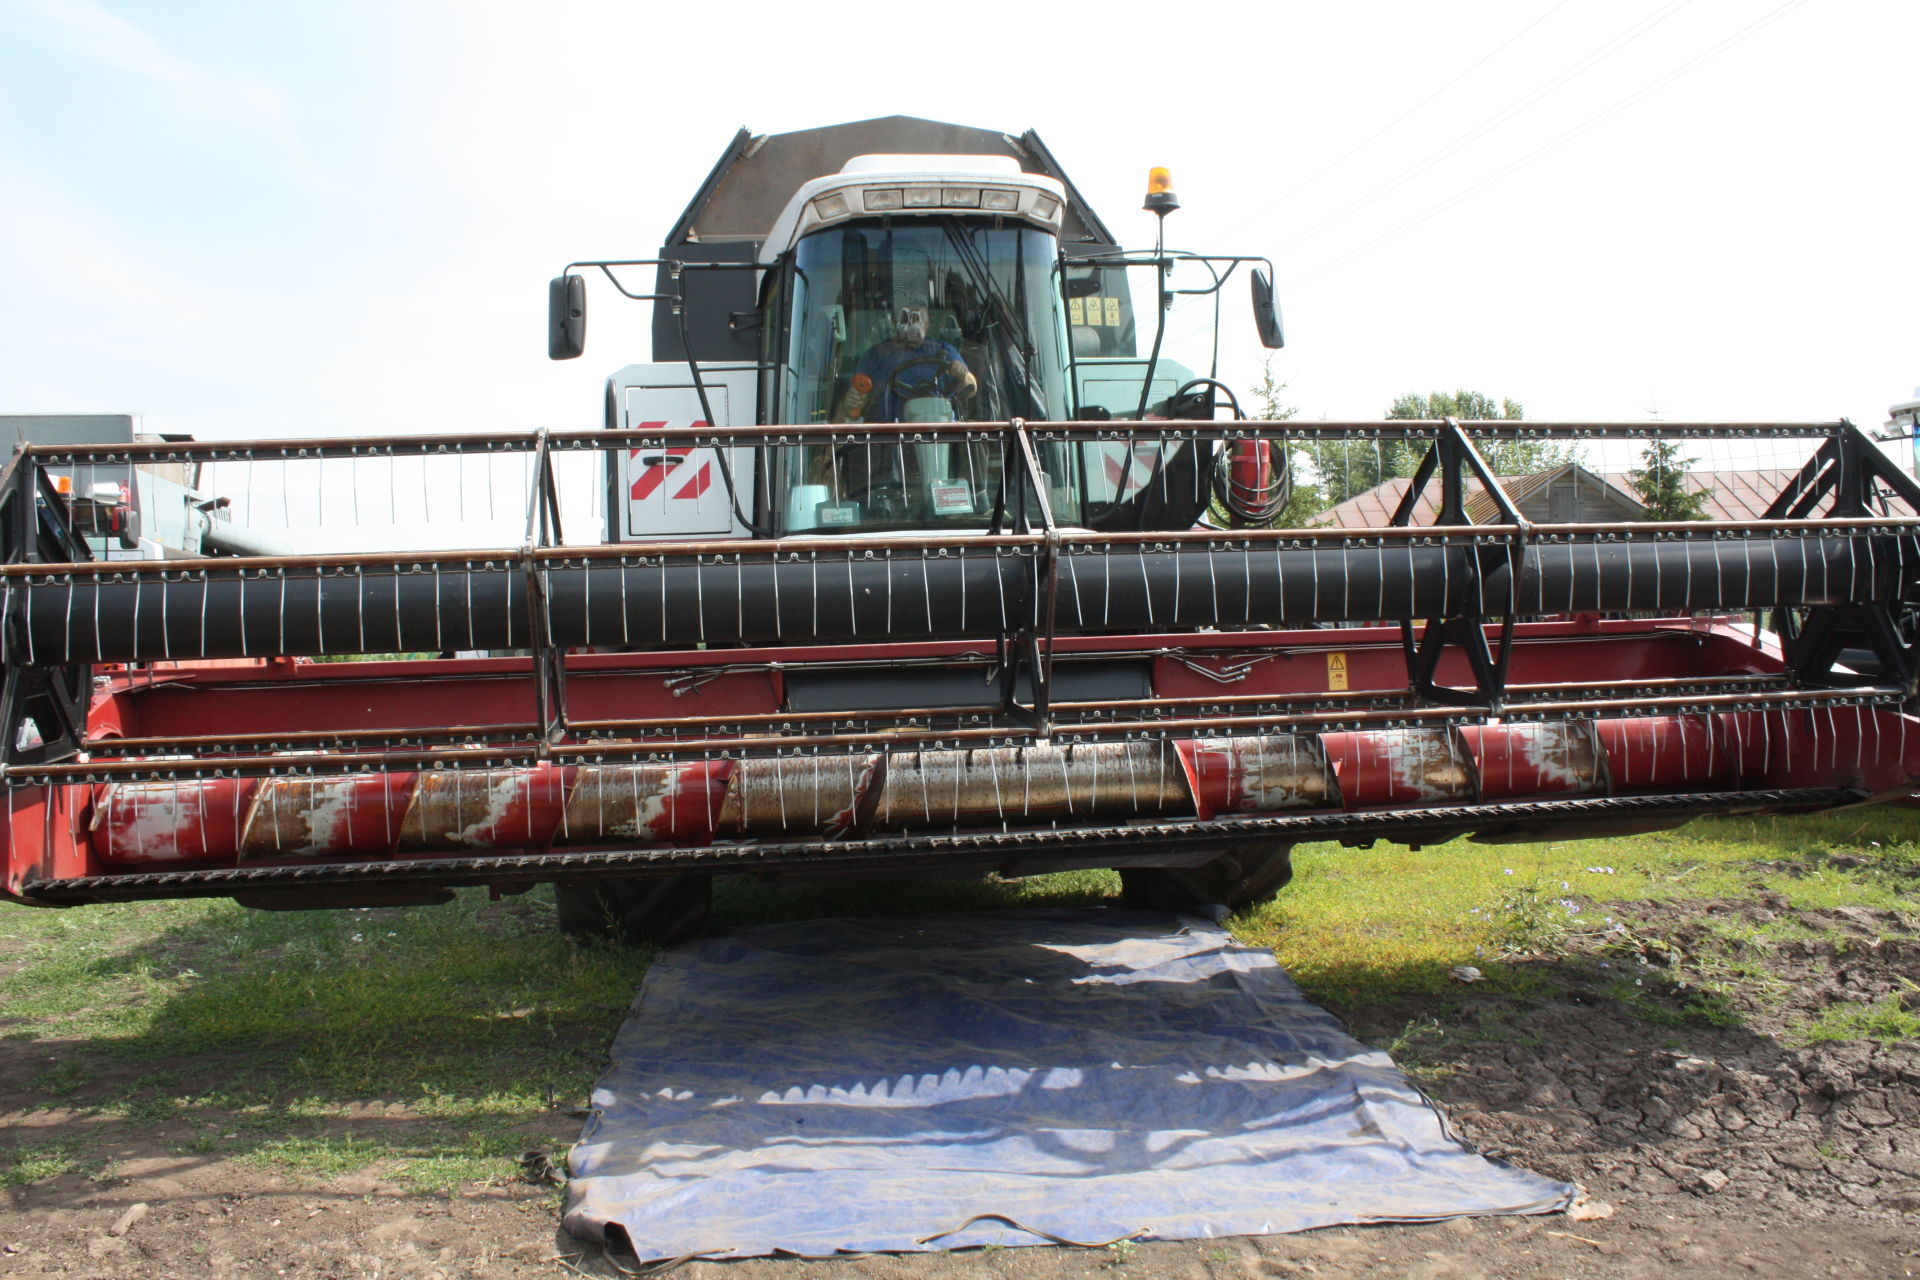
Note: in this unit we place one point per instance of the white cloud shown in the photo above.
(207, 93)
(90, 31)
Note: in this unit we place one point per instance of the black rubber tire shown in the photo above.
(1244, 876)
(638, 911)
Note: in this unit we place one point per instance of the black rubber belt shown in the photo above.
(881, 852)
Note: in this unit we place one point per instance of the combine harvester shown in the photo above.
(922, 556)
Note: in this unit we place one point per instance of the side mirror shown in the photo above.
(1266, 315)
(566, 317)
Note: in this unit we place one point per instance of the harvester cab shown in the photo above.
(931, 542)
(909, 289)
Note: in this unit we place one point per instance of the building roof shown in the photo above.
(1731, 495)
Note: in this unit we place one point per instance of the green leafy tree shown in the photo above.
(1328, 472)
(1347, 467)
(1307, 498)
(1506, 457)
(1266, 396)
(1662, 484)
(1461, 405)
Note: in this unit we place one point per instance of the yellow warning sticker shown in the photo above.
(1113, 311)
(1336, 671)
(1076, 311)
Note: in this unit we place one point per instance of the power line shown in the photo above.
(1555, 143)
(1373, 137)
(1555, 83)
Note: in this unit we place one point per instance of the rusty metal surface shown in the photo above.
(674, 803)
(325, 817)
(1403, 766)
(797, 795)
(1017, 784)
(1265, 774)
(490, 809)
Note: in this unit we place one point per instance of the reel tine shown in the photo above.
(963, 764)
(1026, 782)
(1066, 779)
(1106, 599)
(1833, 740)
(853, 779)
(926, 793)
(814, 760)
(780, 791)
(1213, 584)
(1246, 585)
(1902, 720)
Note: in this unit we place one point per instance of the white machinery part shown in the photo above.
(681, 490)
(1114, 383)
(1116, 470)
(910, 184)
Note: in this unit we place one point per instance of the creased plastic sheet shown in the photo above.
(1006, 1078)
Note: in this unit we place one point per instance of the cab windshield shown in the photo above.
(934, 319)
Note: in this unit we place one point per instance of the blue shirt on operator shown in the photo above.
(887, 358)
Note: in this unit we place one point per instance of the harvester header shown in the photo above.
(960, 572)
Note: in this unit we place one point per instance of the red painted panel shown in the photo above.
(1519, 760)
(157, 822)
(1396, 768)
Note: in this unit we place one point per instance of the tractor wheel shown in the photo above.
(1244, 876)
(641, 911)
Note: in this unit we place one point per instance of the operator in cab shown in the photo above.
(906, 367)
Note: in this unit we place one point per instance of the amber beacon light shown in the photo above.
(1160, 197)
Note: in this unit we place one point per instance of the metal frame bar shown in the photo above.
(315, 447)
(35, 526)
(1452, 457)
(1034, 646)
(549, 665)
(501, 559)
(1845, 470)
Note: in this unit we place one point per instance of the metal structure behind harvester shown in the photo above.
(969, 632)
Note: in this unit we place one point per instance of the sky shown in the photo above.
(252, 219)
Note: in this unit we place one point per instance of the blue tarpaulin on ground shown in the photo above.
(1018, 1077)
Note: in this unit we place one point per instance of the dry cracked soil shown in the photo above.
(1709, 1141)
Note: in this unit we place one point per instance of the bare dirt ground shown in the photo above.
(1720, 1147)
